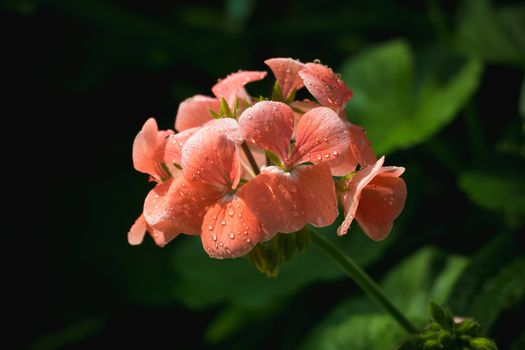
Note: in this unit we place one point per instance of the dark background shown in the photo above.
(80, 79)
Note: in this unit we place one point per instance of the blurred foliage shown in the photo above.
(439, 86)
(358, 322)
(398, 108)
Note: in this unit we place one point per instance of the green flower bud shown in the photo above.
(482, 344)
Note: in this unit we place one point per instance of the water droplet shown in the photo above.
(319, 157)
(335, 153)
(327, 155)
(210, 227)
(245, 232)
(223, 222)
(232, 235)
(248, 240)
(214, 237)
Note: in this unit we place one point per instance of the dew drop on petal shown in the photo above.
(214, 237)
(232, 235)
(223, 222)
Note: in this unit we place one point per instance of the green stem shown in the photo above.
(362, 279)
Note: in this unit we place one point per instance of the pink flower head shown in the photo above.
(375, 198)
(195, 111)
(286, 73)
(236, 183)
(297, 192)
(326, 86)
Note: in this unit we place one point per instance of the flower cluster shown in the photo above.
(240, 169)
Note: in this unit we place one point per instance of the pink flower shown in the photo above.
(211, 162)
(148, 157)
(375, 198)
(297, 192)
(194, 111)
(148, 151)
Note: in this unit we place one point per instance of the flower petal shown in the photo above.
(174, 144)
(320, 136)
(350, 200)
(179, 205)
(230, 229)
(319, 199)
(285, 71)
(161, 238)
(360, 146)
(382, 200)
(273, 197)
(138, 231)
(326, 86)
(212, 157)
(268, 125)
(286, 201)
(195, 111)
(233, 85)
(148, 150)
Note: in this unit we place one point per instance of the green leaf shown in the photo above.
(441, 315)
(359, 324)
(495, 191)
(492, 34)
(398, 107)
(70, 335)
(519, 343)
(522, 102)
(499, 293)
(483, 265)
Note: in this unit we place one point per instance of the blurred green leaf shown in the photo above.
(522, 102)
(519, 343)
(493, 34)
(495, 191)
(499, 293)
(359, 324)
(202, 282)
(398, 107)
(70, 335)
(483, 265)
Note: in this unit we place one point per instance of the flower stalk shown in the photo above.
(362, 279)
